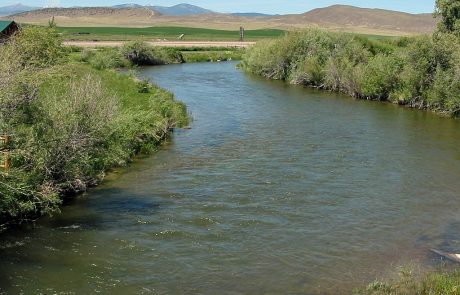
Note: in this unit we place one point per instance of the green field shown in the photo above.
(169, 33)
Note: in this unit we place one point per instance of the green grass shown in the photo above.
(71, 121)
(437, 283)
(169, 33)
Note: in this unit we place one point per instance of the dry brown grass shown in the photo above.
(336, 18)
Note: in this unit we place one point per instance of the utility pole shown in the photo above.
(4, 151)
(241, 34)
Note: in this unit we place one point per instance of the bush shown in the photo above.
(420, 72)
(36, 46)
(141, 54)
(107, 59)
(70, 124)
(380, 76)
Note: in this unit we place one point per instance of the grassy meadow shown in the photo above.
(168, 33)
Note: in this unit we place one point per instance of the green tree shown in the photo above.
(449, 11)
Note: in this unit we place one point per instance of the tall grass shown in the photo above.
(438, 283)
(70, 123)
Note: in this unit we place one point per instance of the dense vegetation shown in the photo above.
(421, 72)
(136, 53)
(70, 122)
(139, 53)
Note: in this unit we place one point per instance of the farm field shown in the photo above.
(171, 34)
(162, 33)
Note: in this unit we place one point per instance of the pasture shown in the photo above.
(163, 33)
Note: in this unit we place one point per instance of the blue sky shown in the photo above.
(266, 6)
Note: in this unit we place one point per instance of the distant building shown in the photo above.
(7, 29)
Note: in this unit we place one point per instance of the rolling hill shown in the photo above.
(337, 18)
(16, 8)
(344, 16)
(181, 9)
(92, 16)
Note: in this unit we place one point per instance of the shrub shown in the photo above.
(140, 53)
(107, 59)
(70, 124)
(36, 46)
(380, 76)
(420, 72)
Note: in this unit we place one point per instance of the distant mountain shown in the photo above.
(128, 5)
(16, 8)
(181, 9)
(251, 14)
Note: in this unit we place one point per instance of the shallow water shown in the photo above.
(275, 190)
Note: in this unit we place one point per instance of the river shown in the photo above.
(276, 189)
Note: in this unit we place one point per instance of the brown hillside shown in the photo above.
(91, 16)
(337, 17)
(346, 17)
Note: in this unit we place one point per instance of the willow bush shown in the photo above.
(420, 72)
(141, 53)
(69, 122)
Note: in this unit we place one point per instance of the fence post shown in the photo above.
(4, 150)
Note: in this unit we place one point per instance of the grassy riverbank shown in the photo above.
(113, 57)
(440, 283)
(70, 122)
(421, 72)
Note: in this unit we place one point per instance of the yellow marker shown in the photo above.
(6, 139)
(6, 159)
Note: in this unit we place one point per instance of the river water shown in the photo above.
(275, 190)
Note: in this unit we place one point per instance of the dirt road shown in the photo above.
(163, 44)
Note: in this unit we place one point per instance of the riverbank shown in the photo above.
(440, 283)
(418, 72)
(70, 122)
(322, 213)
(142, 53)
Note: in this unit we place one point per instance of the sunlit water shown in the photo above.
(275, 190)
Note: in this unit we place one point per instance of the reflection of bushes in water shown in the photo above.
(69, 123)
(422, 72)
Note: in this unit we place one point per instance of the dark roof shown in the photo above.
(4, 24)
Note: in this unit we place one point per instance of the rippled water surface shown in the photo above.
(275, 190)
